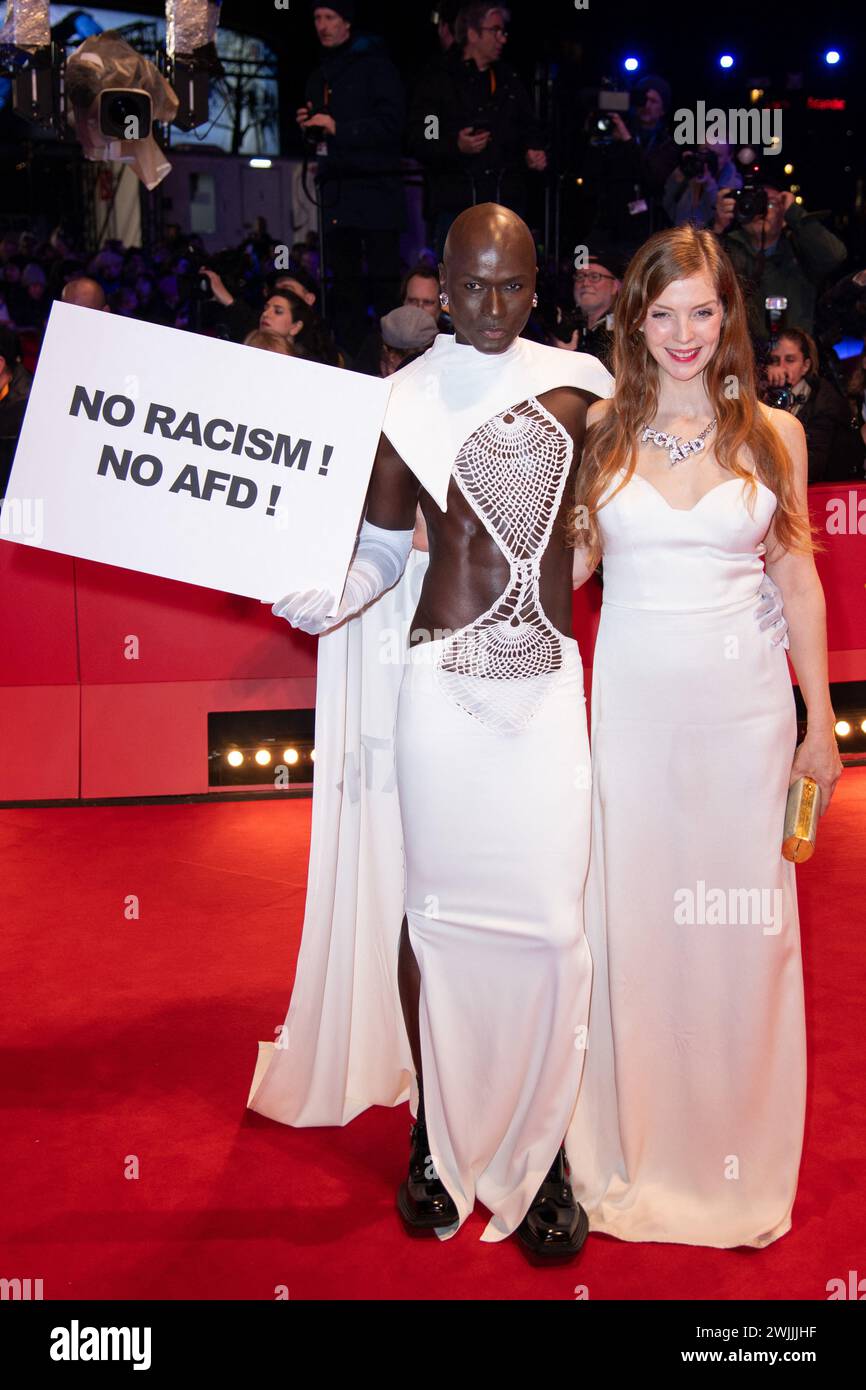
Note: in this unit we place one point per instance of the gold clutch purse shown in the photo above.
(801, 820)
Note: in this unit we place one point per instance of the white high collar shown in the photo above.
(442, 397)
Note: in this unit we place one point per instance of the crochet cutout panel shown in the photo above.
(512, 471)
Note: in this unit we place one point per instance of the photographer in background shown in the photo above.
(352, 120)
(692, 188)
(628, 170)
(833, 441)
(587, 326)
(777, 249)
(486, 136)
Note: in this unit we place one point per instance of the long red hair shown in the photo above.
(612, 441)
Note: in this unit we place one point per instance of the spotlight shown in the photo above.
(726, 61)
(290, 755)
(863, 725)
(631, 64)
(260, 163)
(789, 168)
(263, 757)
(832, 56)
(234, 758)
(842, 728)
(312, 755)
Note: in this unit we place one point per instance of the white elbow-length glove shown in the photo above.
(770, 614)
(379, 560)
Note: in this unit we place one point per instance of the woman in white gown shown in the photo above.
(688, 1125)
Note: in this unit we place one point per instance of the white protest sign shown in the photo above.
(192, 458)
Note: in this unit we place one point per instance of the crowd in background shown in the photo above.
(470, 124)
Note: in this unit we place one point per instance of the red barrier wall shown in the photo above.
(107, 676)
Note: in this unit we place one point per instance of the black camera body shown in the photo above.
(694, 163)
(570, 321)
(749, 201)
(315, 134)
(782, 397)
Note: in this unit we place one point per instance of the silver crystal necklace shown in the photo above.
(677, 448)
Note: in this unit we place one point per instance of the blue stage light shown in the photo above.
(726, 61)
(832, 56)
(631, 64)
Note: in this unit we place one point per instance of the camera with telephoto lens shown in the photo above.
(694, 164)
(749, 201)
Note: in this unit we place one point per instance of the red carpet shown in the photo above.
(129, 1041)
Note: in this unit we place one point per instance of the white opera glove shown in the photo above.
(379, 560)
(770, 614)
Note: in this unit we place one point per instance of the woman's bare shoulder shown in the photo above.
(597, 410)
(783, 422)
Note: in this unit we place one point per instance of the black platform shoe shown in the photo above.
(423, 1202)
(555, 1226)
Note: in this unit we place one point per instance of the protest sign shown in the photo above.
(192, 458)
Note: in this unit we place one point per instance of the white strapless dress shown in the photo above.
(688, 1125)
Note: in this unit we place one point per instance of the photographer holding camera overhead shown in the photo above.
(794, 382)
(778, 249)
(627, 165)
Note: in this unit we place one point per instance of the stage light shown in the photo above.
(631, 64)
(312, 755)
(799, 198)
(842, 728)
(726, 61)
(290, 755)
(755, 94)
(832, 56)
(789, 168)
(579, 182)
(234, 758)
(260, 163)
(263, 756)
(863, 725)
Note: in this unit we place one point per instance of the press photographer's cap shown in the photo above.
(657, 84)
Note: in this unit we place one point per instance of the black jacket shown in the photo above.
(455, 93)
(359, 178)
(624, 173)
(805, 252)
(834, 444)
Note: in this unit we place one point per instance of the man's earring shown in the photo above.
(535, 301)
(443, 298)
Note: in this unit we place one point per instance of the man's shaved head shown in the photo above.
(487, 224)
(84, 291)
(488, 270)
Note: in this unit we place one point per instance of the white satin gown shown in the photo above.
(689, 1121)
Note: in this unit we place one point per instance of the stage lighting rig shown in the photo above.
(191, 57)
